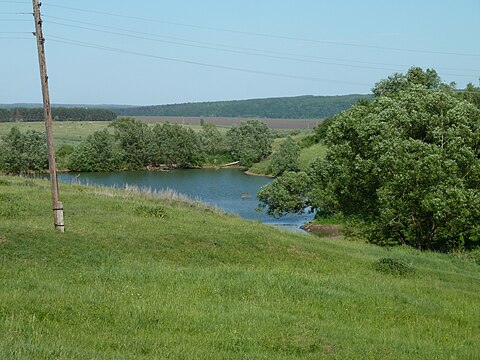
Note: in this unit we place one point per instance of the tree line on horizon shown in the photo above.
(20, 114)
(299, 107)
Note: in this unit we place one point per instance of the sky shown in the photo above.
(161, 52)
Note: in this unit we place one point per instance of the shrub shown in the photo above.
(286, 158)
(250, 142)
(22, 152)
(155, 211)
(393, 267)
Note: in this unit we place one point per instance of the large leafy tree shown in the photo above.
(135, 141)
(97, 153)
(250, 142)
(174, 145)
(471, 94)
(406, 164)
(286, 158)
(22, 152)
(414, 76)
(213, 142)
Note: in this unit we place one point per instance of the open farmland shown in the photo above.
(229, 121)
(65, 132)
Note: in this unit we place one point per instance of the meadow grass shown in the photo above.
(74, 132)
(194, 283)
(65, 132)
(306, 155)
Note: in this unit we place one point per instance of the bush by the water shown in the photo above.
(23, 152)
(134, 145)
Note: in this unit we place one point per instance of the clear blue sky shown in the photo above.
(316, 47)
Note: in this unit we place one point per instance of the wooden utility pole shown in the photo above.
(58, 218)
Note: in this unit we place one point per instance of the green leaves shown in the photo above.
(250, 142)
(97, 153)
(213, 142)
(286, 158)
(406, 164)
(286, 194)
(21, 153)
(174, 145)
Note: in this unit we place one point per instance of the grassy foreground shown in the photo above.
(141, 276)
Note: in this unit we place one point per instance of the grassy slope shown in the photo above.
(199, 285)
(306, 155)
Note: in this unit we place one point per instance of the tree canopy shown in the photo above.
(407, 165)
(286, 157)
(23, 152)
(250, 142)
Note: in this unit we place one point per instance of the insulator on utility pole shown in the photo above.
(58, 217)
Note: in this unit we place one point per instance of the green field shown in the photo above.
(64, 132)
(74, 132)
(306, 155)
(150, 277)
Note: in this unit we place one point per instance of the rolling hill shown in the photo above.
(300, 107)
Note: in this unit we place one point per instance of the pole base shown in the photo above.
(58, 217)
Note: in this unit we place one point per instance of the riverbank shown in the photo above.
(248, 172)
(227, 188)
(323, 230)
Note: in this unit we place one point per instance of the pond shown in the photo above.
(229, 189)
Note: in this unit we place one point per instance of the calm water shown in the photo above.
(229, 189)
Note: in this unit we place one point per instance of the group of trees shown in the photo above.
(129, 144)
(406, 166)
(58, 114)
(135, 145)
(300, 107)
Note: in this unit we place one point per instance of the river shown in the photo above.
(229, 189)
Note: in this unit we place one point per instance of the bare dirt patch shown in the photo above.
(230, 121)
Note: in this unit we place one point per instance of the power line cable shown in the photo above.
(216, 66)
(281, 37)
(225, 50)
(240, 52)
(297, 56)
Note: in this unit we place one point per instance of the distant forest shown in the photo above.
(300, 107)
(58, 114)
